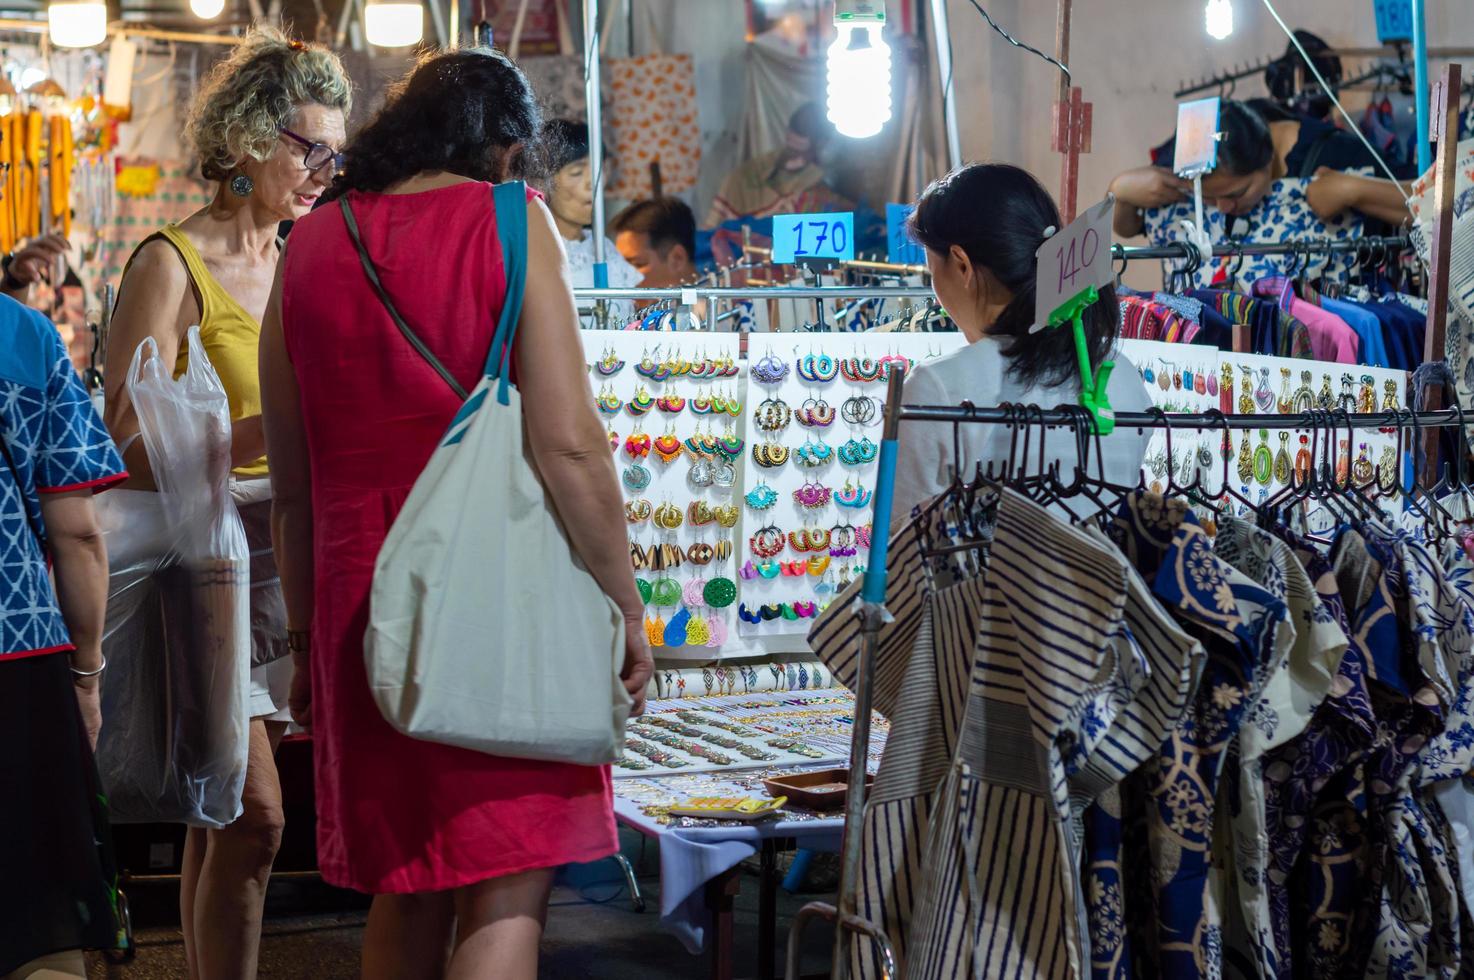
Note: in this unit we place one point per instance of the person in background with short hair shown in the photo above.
(658, 237)
(565, 144)
(790, 180)
(55, 886)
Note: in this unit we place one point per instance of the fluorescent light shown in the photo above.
(394, 24)
(859, 80)
(1218, 16)
(207, 9)
(77, 24)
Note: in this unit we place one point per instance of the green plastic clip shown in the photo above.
(1092, 385)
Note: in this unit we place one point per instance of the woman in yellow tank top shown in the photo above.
(267, 124)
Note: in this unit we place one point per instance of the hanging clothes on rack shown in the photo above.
(1129, 748)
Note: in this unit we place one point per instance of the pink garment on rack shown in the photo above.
(1331, 338)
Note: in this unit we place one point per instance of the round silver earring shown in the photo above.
(241, 185)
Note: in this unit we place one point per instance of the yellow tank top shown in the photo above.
(231, 337)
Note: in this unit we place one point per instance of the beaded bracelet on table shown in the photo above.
(694, 718)
(655, 755)
(721, 741)
(796, 747)
(690, 748)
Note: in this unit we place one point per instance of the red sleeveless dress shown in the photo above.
(395, 814)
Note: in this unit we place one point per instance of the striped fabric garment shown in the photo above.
(1014, 696)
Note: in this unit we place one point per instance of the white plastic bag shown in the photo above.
(176, 695)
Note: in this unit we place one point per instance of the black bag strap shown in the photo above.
(404, 328)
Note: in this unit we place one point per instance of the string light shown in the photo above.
(207, 9)
(1218, 16)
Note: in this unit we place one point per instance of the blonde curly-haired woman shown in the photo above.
(267, 126)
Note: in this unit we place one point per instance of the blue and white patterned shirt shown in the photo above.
(56, 444)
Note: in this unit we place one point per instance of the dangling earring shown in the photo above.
(241, 185)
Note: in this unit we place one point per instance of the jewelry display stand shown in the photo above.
(1262, 461)
(796, 382)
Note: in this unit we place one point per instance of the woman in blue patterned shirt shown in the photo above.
(55, 454)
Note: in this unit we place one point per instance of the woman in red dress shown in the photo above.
(443, 837)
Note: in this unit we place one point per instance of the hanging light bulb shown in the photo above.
(394, 24)
(859, 69)
(207, 9)
(1219, 18)
(76, 23)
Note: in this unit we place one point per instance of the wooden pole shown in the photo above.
(1445, 131)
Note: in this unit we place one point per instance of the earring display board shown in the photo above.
(674, 407)
(814, 413)
(1184, 378)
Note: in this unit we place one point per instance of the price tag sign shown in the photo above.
(1072, 261)
(813, 236)
(1394, 20)
(1197, 137)
(901, 248)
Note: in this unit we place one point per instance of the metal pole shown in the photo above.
(1420, 85)
(1446, 128)
(942, 29)
(593, 91)
(872, 616)
(760, 292)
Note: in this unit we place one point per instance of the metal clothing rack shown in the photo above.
(873, 615)
(1316, 246)
(690, 294)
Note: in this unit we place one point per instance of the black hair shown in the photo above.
(810, 122)
(564, 141)
(1246, 145)
(462, 112)
(998, 215)
(1283, 75)
(667, 221)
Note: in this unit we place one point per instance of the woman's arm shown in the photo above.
(291, 492)
(1332, 193)
(1143, 188)
(156, 300)
(569, 445)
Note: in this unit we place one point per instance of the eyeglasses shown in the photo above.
(317, 155)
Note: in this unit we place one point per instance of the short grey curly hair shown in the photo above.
(249, 96)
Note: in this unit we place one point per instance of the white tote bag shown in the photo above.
(486, 631)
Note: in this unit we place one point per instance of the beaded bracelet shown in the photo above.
(654, 755)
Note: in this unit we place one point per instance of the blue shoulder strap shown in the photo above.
(510, 200)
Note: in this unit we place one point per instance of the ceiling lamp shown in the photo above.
(207, 9)
(394, 24)
(1218, 16)
(76, 23)
(859, 65)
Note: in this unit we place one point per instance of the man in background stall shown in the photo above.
(658, 238)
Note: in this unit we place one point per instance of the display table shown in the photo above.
(699, 859)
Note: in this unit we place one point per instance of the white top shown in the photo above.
(979, 373)
(622, 275)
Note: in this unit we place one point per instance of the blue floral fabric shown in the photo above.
(1283, 215)
(1174, 930)
(56, 444)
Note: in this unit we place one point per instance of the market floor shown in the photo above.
(316, 932)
